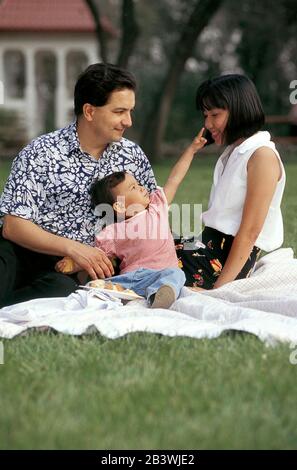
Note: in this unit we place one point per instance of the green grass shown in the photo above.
(149, 391)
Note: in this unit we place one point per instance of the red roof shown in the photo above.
(49, 16)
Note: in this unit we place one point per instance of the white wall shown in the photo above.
(60, 44)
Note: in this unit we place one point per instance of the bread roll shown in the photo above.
(101, 284)
(69, 265)
(98, 283)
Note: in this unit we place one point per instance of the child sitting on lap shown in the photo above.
(141, 238)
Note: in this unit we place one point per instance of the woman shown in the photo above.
(244, 215)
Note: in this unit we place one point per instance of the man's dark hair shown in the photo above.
(97, 82)
(101, 190)
(239, 96)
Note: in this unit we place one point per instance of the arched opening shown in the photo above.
(14, 74)
(46, 84)
(76, 62)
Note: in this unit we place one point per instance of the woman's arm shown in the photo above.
(263, 173)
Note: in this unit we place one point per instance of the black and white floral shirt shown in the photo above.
(50, 180)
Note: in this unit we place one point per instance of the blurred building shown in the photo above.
(44, 45)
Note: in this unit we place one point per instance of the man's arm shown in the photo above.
(29, 235)
(180, 169)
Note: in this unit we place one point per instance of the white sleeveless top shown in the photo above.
(228, 194)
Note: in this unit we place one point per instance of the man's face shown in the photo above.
(136, 196)
(111, 120)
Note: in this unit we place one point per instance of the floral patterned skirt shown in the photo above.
(202, 262)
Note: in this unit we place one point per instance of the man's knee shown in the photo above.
(8, 267)
(7, 252)
(54, 285)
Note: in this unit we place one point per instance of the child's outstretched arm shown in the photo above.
(180, 169)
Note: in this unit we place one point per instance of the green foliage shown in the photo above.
(184, 120)
(263, 40)
(247, 37)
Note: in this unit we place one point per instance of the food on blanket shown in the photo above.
(101, 284)
(98, 283)
(111, 286)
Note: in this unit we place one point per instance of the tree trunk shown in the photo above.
(101, 39)
(157, 120)
(130, 33)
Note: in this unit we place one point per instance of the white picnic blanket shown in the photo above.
(264, 304)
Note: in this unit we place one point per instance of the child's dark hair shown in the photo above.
(239, 96)
(101, 190)
(97, 82)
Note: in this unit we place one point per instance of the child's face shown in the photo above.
(136, 197)
(215, 120)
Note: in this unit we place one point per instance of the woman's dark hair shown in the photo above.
(239, 96)
(97, 82)
(101, 190)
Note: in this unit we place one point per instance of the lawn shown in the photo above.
(147, 391)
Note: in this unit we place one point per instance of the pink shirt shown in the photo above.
(144, 240)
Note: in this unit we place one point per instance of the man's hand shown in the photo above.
(90, 259)
(29, 235)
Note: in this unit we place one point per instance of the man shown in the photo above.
(46, 205)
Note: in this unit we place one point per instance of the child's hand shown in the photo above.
(199, 141)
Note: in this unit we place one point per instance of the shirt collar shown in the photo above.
(74, 143)
(73, 137)
(115, 145)
(259, 137)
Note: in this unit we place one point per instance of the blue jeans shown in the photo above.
(146, 282)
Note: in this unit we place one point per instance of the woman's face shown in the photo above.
(215, 120)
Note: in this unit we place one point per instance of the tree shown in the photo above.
(130, 32)
(157, 119)
(101, 39)
(261, 47)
